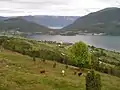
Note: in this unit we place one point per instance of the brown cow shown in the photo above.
(54, 65)
(75, 72)
(42, 71)
(80, 73)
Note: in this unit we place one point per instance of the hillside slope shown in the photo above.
(23, 74)
(19, 71)
(21, 25)
(106, 20)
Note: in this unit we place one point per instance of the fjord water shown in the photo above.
(106, 42)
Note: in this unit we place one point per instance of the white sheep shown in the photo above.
(7, 66)
(63, 72)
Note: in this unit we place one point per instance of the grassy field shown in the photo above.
(23, 74)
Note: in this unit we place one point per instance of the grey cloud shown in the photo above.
(5, 0)
(61, 7)
(108, 1)
(35, 2)
(112, 3)
(11, 11)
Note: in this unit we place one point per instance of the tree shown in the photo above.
(33, 55)
(94, 62)
(79, 54)
(97, 82)
(93, 81)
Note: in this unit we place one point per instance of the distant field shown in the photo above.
(23, 74)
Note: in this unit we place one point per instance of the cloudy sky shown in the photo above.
(54, 7)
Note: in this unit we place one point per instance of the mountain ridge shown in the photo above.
(47, 20)
(51, 21)
(23, 25)
(106, 21)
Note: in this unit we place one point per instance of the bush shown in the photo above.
(93, 81)
(94, 62)
(79, 54)
(98, 82)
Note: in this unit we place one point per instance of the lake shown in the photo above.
(106, 42)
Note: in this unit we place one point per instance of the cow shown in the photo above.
(80, 73)
(54, 65)
(75, 73)
(42, 71)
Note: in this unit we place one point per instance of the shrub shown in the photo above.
(93, 81)
(79, 54)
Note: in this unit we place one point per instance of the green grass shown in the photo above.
(28, 77)
(113, 56)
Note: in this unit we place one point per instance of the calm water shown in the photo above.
(107, 42)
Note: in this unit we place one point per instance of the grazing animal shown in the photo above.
(63, 72)
(66, 66)
(7, 66)
(75, 72)
(44, 60)
(42, 71)
(79, 74)
(19, 67)
(54, 65)
(34, 59)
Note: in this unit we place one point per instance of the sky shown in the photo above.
(54, 7)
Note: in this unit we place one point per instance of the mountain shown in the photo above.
(51, 21)
(3, 18)
(106, 21)
(21, 25)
